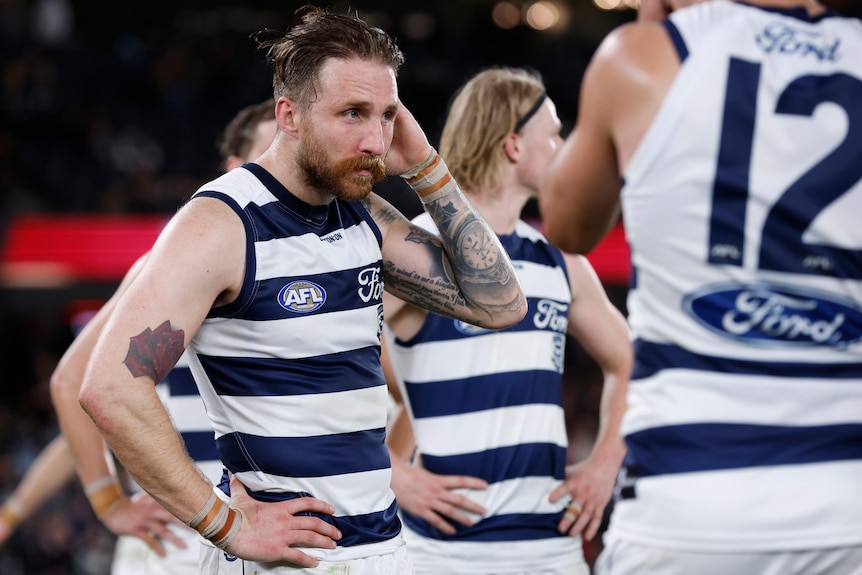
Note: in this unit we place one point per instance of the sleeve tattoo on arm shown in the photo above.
(154, 353)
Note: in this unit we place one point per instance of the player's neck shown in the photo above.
(499, 207)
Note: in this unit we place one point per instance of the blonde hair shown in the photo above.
(482, 115)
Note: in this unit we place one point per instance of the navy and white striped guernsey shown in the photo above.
(741, 204)
(290, 371)
(489, 404)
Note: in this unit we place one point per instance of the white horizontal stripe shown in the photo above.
(681, 396)
(188, 413)
(291, 338)
(773, 508)
(520, 495)
(513, 351)
(309, 415)
(503, 427)
(277, 257)
(541, 281)
(350, 494)
(559, 554)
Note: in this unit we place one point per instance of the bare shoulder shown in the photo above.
(207, 239)
(634, 53)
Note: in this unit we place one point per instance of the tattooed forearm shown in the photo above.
(484, 273)
(153, 353)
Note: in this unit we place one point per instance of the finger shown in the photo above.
(438, 522)
(463, 482)
(581, 523)
(299, 558)
(312, 539)
(570, 517)
(154, 543)
(316, 525)
(562, 490)
(163, 533)
(458, 502)
(308, 505)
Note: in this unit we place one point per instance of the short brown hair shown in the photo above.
(299, 54)
(238, 135)
(482, 115)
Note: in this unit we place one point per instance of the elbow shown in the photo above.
(91, 401)
(510, 315)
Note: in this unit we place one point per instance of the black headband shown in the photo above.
(530, 113)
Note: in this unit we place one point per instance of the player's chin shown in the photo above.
(356, 187)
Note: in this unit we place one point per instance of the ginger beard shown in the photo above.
(339, 178)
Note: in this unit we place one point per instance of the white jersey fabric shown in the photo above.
(742, 206)
(488, 403)
(290, 372)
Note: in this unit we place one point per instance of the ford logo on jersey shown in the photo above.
(774, 315)
(301, 296)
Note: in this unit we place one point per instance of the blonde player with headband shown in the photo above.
(489, 489)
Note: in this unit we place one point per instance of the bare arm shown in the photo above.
(141, 516)
(601, 329)
(463, 272)
(622, 89)
(52, 469)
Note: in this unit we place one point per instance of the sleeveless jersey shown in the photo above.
(290, 372)
(488, 404)
(742, 207)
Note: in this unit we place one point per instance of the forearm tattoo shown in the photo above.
(153, 353)
(470, 267)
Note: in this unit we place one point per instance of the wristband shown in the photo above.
(11, 513)
(431, 179)
(217, 522)
(104, 494)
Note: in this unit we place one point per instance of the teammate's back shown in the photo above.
(741, 184)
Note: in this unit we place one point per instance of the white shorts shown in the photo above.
(214, 561)
(134, 557)
(627, 558)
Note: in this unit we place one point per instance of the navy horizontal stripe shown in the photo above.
(181, 383)
(512, 527)
(440, 328)
(356, 369)
(326, 218)
(502, 463)
(650, 358)
(201, 445)
(718, 446)
(355, 529)
(342, 290)
(484, 392)
(316, 456)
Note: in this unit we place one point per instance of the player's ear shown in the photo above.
(287, 114)
(512, 147)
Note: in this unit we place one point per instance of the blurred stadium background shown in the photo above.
(109, 114)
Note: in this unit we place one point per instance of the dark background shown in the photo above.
(115, 108)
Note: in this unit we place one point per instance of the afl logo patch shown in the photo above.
(301, 296)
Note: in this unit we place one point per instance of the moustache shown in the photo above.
(373, 164)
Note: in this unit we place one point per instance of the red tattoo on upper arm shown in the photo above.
(155, 352)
